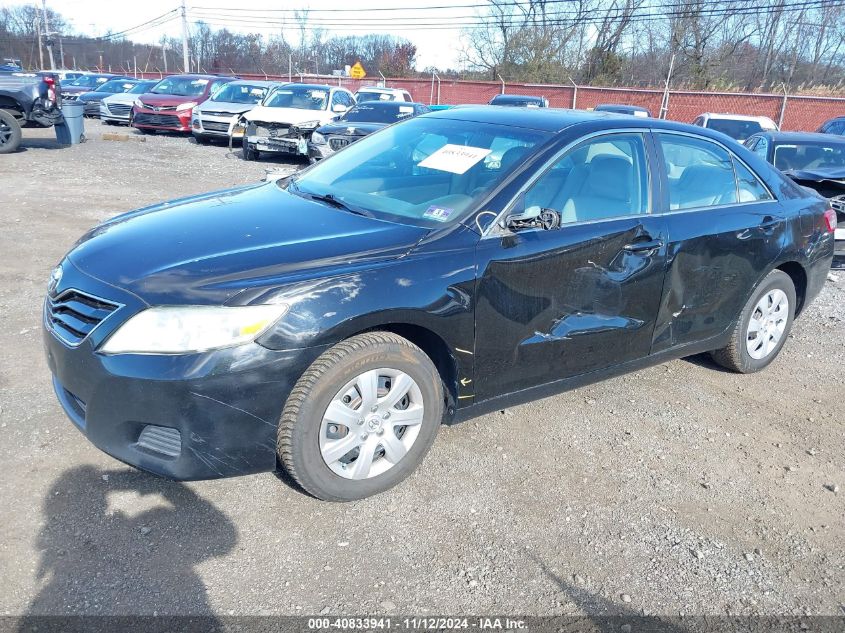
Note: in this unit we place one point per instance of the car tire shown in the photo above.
(10, 132)
(761, 330)
(353, 382)
(249, 152)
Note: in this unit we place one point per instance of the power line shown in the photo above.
(170, 15)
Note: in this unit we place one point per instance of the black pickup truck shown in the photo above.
(27, 100)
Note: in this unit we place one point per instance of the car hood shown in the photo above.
(817, 175)
(287, 115)
(152, 99)
(217, 108)
(121, 97)
(351, 128)
(206, 249)
(75, 90)
(94, 96)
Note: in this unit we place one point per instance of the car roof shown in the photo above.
(801, 137)
(314, 86)
(622, 105)
(266, 83)
(511, 97)
(199, 76)
(379, 89)
(389, 104)
(736, 117)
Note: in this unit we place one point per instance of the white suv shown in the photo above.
(374, 93)
(737, 126)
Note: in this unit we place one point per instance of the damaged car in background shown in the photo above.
(217, 118)
(365, 118)
(815, 161)
(286, 118)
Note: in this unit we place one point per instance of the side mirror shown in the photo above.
(533, 217)
(520, 219)
(339, 108)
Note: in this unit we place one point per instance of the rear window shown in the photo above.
(737, 129)
(376, 112)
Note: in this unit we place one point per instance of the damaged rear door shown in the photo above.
(557, 303)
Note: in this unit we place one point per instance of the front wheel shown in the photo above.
(249, 151)
(361, 418)
(763, 326)
(10, 132)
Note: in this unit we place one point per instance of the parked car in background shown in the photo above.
(375, 93)
(623, 109)
(26, 101)
(833, 126)
(816, 161)
(737, 126)
(356, 123)
(93, 99)
(217, 117)
(520, 101)
(284, 121)
(87, 82)
(169, 104)
(65, 76)
(117, 108)
(333, 320)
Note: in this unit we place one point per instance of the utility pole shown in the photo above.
(185, 60)
(47, 34)
(40, 46)
(61, 54)
(164, 54)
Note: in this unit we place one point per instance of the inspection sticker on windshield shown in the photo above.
(441, 214)
(456, 159)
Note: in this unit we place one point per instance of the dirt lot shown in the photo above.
(681, 489)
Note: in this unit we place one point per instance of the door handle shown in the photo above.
(639, 247)
(768, 224)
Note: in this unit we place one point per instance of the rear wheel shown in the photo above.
(10, 132)
(762, 327)
(361, 418)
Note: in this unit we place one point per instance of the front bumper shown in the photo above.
(319, 152)
(166, 120)
(118, 113)
(185, 417)
(215, 126)
(92, 108)
(292, 146)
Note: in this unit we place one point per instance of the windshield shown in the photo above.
(115, 86)
(180, 86)
(141, 87)
(735, 128)
(240, 93)
(298, 97)
(88, 81)
(378, 113)
(425, 171)
(809, 156)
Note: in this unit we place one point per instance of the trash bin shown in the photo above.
(72, 131)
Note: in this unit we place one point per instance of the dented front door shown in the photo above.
(563, 302)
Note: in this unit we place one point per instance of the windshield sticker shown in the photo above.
(455, 159)
(441, 214)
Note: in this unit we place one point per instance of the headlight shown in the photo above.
(140, 104)
(186, 106)
(179, 330)
(318, 139)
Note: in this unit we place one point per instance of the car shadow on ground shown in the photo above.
(122, 542)
(704, 361)
(28, 143)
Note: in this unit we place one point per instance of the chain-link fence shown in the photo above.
(791, 112)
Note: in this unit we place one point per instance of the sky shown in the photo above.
(436, 45)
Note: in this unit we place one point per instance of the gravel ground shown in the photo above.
(680, 489)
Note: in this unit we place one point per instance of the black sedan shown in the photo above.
(115, 86)
(816, 161)
(357, 122)
(332, 321)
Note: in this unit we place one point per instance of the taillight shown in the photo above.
(830, 220)
(51, 88)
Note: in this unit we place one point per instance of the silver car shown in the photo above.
(115, 109)
(216, 117)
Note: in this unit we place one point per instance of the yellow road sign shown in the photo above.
(357, 71)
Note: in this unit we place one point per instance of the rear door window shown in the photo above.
(699, 173)
(749, 187)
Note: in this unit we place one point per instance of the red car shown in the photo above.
(168, 105)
